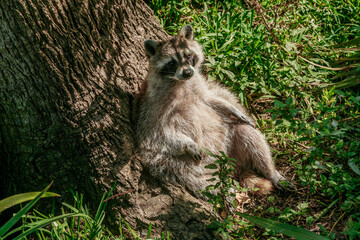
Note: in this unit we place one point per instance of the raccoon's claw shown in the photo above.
(242, 118)
(197, 157)
(281, 183)
(284, 185)
(247, 121)
(194, 151)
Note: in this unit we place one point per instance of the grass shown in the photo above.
(296, 66)
(74, 222)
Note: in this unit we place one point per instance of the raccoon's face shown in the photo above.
(178, 58)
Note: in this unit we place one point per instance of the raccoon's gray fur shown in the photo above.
(181, 112)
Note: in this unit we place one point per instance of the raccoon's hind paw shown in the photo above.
(284, 185)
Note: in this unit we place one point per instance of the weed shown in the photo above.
(295, 65)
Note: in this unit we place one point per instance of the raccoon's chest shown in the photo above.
(201, 123)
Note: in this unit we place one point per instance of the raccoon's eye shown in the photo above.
(192, 59)
(188, 57)
(172, 63)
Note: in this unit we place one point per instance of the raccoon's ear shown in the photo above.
(187, 32)
(150, 47)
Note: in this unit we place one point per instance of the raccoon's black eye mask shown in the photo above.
(169, 68)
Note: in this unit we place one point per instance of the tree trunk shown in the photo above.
(69, 71)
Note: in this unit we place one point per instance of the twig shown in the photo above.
(318, 65)
(349, 118)
(337, 221)
(259, 10)
(119, 194)
(301, 145)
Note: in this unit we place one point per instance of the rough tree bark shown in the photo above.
(69, 71)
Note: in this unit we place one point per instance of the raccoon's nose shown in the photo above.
(187, 73)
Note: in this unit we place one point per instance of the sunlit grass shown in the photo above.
(295, 65)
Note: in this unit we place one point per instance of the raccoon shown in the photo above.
(181, 112)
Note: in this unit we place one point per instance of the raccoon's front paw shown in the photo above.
(194, 151)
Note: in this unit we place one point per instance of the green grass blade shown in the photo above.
(326, 210)
(17, 216)
(45, 222)
(70, 207)
(23, 197)
(149, 231)
(130, 229)
(348, 82)
(289, 230)
(100, 208)
(355, 41)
